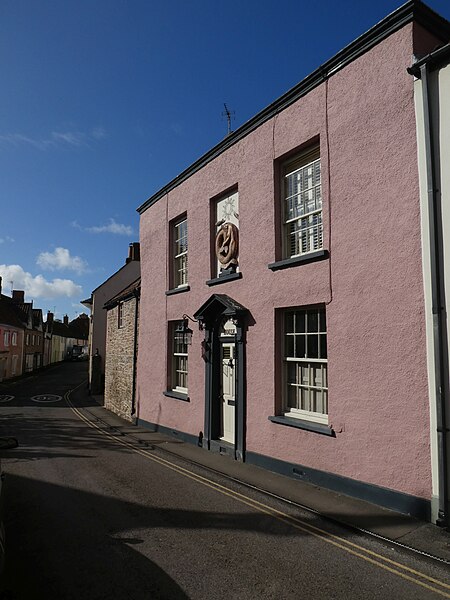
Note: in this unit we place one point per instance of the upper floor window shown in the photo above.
(305, 365)
(6, 338)
(27, 339)
(302, 210)
(14, 338)
(180, 253)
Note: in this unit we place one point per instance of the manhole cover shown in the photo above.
(46, 398)
(6, 398)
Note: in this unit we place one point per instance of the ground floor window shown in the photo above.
(305, 394)
(178, 350)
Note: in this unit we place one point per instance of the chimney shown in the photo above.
(49, 318)
(134, 252)
(18, 296)
(66, 320)
(0, 286)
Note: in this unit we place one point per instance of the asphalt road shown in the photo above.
(91, 516)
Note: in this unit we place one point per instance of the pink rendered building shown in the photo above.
(283, 313)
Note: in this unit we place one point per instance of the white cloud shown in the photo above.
(7, 239)
(74, 139)
(111, 227)
(38, 286)
(59, 260)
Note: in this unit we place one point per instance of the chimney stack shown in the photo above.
(18, 296)
(0, 286)
(66, 320)
(134, 252)
(49, 318)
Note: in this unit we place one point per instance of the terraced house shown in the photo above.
(286, 276)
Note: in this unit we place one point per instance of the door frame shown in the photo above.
(211, 315)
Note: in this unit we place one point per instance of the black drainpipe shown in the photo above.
(438, 298)
(135, 351)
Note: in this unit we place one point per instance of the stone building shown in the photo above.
(121, 351)
(122, 278)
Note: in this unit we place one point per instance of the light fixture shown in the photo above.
(183, 331)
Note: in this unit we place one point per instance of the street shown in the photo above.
(93, 515)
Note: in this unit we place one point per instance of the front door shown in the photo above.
(228, 385)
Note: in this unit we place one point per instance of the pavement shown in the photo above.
(397, 528)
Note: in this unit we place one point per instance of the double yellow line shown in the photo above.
(435, 585)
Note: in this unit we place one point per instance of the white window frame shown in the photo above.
(178, 360)
(302, 204)
(14, 338)
(27, 339)
(180, 253)
(309, 390)
(120, 315)
(6, 338)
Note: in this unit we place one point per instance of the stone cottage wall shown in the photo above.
(119, 360)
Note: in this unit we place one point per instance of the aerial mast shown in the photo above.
(228, 114)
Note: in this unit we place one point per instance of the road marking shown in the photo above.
(370, 556)
(46, 398)
(6, 398)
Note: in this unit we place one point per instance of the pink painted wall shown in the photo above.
(378, 402)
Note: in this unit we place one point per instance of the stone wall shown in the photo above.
(119, 364)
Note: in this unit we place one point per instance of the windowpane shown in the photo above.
(303, 205)
(290, 345)
(313, 321)
(312, 346)
(306, 385)
(179, 359)
(300, 318)
(180, 254)
(300, 346)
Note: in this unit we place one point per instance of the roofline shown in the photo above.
(434, 60)
(413, 10)
(111, 276)
(135, 291)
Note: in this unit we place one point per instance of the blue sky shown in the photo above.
(102, 102)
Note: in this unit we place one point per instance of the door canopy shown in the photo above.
(218, 306)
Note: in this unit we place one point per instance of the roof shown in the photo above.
(109, 278)
(219, 304)
(37, 316)
(78, 328)
(134, 289)
(414, 10)
(434, 60)
(8, 314)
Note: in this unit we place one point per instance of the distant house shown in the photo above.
(31, 319)
(64, 336)
(11, 339)
(97, 334)
(121, 351)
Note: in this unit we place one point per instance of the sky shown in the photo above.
(102, 102)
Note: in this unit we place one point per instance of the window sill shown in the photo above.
(179, 290)
(176, 395)
(298, 260)
(306, 425)
(224, 279)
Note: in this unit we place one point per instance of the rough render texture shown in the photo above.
(372, 284)
(120, 360)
